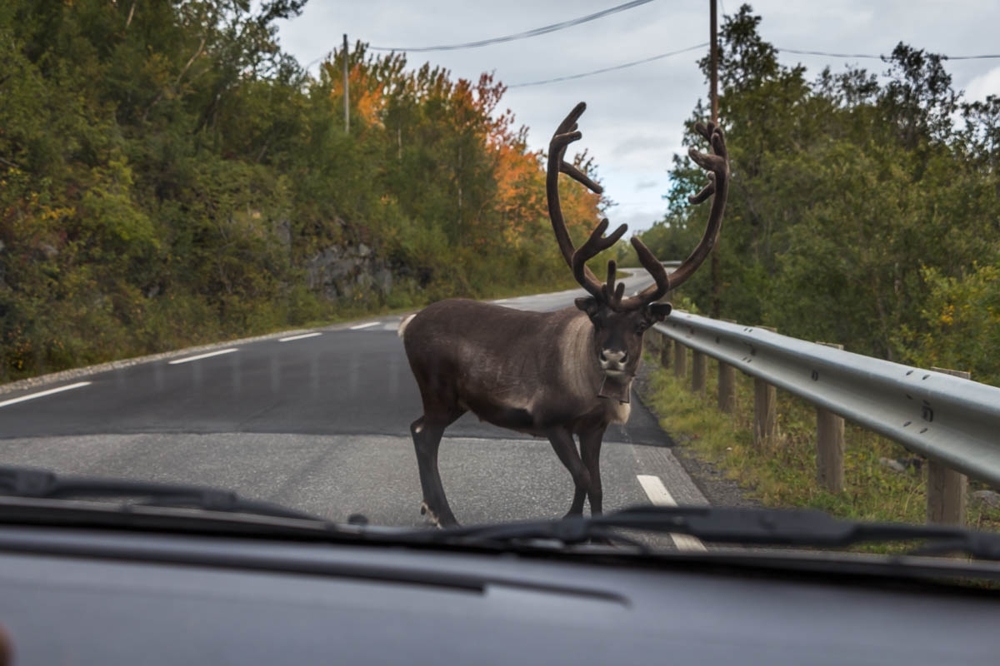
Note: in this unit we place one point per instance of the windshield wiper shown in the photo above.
(721, 525)
(43, 484)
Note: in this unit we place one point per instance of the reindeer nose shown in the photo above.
(613, 356)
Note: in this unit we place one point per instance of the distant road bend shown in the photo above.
(319, 420)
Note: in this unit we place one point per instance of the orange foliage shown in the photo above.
(367, 93)
(469, 108)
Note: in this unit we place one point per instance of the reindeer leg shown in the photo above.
(426, 441)
(590, 451)
(565, 448)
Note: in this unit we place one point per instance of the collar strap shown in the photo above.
(616, 390)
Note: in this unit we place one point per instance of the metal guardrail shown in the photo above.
(952, 420)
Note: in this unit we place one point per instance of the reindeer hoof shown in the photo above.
(432, 518)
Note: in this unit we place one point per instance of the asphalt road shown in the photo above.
(319, 422)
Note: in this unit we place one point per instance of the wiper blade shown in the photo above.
(722, 525)
(44, 484)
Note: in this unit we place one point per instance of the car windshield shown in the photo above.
(348, 259)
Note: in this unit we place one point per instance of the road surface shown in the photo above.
(318, 420)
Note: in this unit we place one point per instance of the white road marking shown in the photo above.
(660, 496)
(201, 356)
(368, 325)
(42, 394)
(299, 337)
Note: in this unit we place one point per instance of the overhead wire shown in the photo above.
(705, 44)
(562, 25)
(879, 57)
(544, 30)
(610, 69)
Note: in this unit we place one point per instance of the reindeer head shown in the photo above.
(619, 323)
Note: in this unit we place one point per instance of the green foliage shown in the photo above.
(167, 174)
(853, 203)
(961, 324)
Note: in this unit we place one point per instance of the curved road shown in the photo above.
(318, 420)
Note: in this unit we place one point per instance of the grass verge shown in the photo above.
(783, 473)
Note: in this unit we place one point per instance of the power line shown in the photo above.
(879, 57)
(704, 44)
(521, 35)
(610, 69)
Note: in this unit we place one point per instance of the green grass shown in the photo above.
(783, 472)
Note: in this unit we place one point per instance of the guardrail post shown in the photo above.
(699, 368)
(830, 445)
(727, 384)
(727, 388)
(946, 488)
(680, 360)
(665, 350)
(765, 400)
(765, 408)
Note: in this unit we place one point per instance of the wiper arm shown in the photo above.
(720, 525)
(44, 484)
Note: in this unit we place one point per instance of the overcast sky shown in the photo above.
(635, 116)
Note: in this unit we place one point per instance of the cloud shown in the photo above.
(635, 118)
(983, 85)
(638, 219)
(646, 185)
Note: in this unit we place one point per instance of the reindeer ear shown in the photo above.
(589, 305)
(659, 311)
(653, 313)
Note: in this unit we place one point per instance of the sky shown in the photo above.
(634, 120)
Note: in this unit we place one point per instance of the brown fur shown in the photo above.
(556, 374)
(532, 372)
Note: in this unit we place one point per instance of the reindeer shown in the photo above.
(549, 374)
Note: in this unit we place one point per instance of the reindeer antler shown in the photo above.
(564, 135)
(594, 246)
(718, 166)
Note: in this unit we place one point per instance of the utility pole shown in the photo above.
(714, 58)
(715, 62)
(347, 100)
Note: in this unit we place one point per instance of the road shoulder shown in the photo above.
(710, 481)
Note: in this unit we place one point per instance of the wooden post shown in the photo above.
(698, 371)
(680, 360)
(765, 401)
(765, 409)
(946, 488)
(665, 351)
(716, 270)
(727, 385)
(714, 47)
(830, 445)
(652, 343)
(347, 91)
(727, 388)
(946, 491)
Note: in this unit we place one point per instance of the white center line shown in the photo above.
(660, 496)
(368, 325)
(41, 394)
(201, 356)
(299, 337)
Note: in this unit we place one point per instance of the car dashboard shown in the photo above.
(109, 597)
